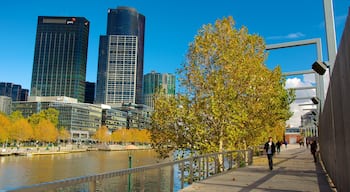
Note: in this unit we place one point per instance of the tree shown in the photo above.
(50, 114)
(102, 134)
(123, 135)
(63, 134)
(229, 98)
(4, 128)
(21, 130)
(45, 131)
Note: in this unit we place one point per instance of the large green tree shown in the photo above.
(229, 98)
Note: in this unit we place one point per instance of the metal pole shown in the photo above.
(129, 176)
(330, 32)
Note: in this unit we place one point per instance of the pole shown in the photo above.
(330, 32)
(129, 176)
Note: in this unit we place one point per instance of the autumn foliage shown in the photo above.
(39, 127)
(228, 98)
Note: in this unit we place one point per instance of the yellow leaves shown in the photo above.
(229, 97)
(4, 128)
(45, 131)
(63, 134)
(131, 135)
(102, 134)
(21, 130)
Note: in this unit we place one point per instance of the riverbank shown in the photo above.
(30, 151)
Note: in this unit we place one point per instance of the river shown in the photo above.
(18, 171)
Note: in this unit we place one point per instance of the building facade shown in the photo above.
(89, 92)
(120, 63)
(154, 82)
(5, 105)
(73, 116)
(308, 126)
(14, 91)
(60, 57)
(24, 94)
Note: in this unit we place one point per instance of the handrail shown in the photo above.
(203, 162)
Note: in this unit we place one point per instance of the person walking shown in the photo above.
(270, 149)
(313, 148)
(278, 146)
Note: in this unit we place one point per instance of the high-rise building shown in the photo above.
(59, 67)
(14, 91)
(89, 92)
(120, 63)
(24, 94)
(154, 82)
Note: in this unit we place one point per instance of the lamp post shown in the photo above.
(129, 166)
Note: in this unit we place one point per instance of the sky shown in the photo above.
(170, 27)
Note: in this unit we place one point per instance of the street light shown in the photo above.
(319, 67)
(315, 100)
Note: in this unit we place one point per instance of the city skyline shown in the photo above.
(171, 26)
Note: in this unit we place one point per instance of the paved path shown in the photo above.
(294, 170)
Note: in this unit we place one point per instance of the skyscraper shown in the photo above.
(120, 63)
(89, 92)
(59, 67)
(14, 91)
(154, 82)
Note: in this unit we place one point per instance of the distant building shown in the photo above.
(120, 62)
(308, 124)
(13, 90)
(89, 92)
(292, 135)
(130, 116)
(113, 119)
(24, 95)
(154, 82)
(5, 104)
(59, 67)
(73, 116)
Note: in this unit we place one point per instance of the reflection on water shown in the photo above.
(22, 170)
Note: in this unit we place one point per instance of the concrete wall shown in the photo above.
(334, 125)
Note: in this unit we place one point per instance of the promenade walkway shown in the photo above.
(294, 170)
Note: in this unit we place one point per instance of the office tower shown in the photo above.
(24, 94)
(89, 92)
(154, 82)
(11, 90)
(6, 89)
(59, 67)
(120, 63)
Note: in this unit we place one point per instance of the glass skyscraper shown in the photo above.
(59, 67)
(89, 92)
(14, 91)
(120, 63)
(154, 82)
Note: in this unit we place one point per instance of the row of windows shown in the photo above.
(120, 83)
(123, 62)
(127, 44)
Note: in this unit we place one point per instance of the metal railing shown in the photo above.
(167, 176)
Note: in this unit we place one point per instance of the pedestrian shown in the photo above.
(270, 149)
(313, 148)
(278, 146)
(285, 144)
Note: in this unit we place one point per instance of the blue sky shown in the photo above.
(170, 27)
